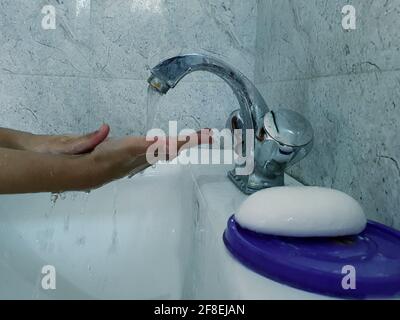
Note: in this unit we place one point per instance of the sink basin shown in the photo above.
(155, 236)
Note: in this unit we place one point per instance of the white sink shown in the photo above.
(155, 236)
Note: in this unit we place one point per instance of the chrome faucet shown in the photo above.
(280, 138)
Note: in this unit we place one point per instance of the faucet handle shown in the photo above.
(289, 128)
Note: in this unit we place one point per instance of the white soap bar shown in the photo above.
(302, 212)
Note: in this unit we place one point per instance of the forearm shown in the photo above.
(26, 172)
(15, 139)
(23, 171)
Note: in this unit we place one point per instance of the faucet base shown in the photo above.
(252, 183)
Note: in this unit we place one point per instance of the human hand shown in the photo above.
(64, 163)
(67, 144)
(115, 158)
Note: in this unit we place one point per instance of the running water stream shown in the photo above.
(153, 99)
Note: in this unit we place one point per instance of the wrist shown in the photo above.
(14, 139)
(98, 169)
(89, 172)
(30, 142)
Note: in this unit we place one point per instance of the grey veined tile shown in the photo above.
(131, 36)
(120, 103)
(305, 38)
(27, 48)
(39, 104)
(356, 120)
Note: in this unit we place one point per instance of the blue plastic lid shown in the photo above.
(316, 264)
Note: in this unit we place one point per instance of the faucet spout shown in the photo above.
(168, 73)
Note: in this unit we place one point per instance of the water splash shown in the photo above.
(44, 239)
(114, 236)
(153, 99)
(89, 267)
(81, 241)
(63, 195)
(85, 202)
(54, 198)
(66, 223)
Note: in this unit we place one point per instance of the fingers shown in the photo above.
(87, 143)
(169, 148)
(203, 136)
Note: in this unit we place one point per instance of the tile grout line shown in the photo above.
(93, 77)
(99, 77)
(337, 75)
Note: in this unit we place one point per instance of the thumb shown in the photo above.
(203, 136)
(86, 143)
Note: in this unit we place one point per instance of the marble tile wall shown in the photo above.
(93, 67)
(347, 83)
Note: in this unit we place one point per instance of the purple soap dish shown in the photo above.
(320, 265)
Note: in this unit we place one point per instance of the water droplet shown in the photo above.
(54, 197)
(66, 223)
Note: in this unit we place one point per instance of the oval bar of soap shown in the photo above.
(302, 212)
